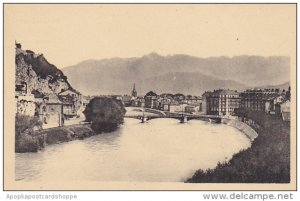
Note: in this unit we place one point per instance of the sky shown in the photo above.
(69, 34)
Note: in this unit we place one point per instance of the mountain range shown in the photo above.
(177, 73)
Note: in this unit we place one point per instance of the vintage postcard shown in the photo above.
(149, 96)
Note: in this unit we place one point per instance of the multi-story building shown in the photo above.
(51, 111)
(72, 99)
(271, 102)
(165, 104)
(259, 99)
(138, 102)
(222, 102)
(204, 105)
(151, 100)
(194, 103)
(192, 108)
(193, 99)
(177, 107)
(285, 110)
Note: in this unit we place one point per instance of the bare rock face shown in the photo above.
(58, 86)
(39, 75)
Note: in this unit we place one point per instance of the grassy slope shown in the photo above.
(267, 161)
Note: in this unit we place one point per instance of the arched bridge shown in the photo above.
(181, 117)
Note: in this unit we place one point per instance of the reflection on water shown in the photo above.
(162, 150)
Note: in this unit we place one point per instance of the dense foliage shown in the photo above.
(267, 161)
(29, 139)
(105, 113)
(24, 126)
(65, 133)
(25, 123)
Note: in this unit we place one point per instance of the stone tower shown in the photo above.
(18, 45)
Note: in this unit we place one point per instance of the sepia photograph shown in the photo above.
(149, 96)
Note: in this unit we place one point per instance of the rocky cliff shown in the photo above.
(39, 75)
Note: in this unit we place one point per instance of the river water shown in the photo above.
(162, 150)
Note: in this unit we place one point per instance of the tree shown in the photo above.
(288, 94)
(105, 113)
(25, 123)
(24, 139)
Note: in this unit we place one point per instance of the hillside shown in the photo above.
(41, 76)
(186, 83)
(116, 75)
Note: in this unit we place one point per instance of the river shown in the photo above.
(162, 150)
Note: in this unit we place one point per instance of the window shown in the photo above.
(44, 109)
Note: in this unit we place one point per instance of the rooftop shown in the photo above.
(225, 92)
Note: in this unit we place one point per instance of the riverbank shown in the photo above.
(267, 161)
(241, 126)
(36, 140)
(28, 140)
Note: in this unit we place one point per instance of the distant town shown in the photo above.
(54, 110)
(222, 102)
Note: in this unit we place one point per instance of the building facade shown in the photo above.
(222, 102)
(259, 99)
(49, 110)
(204, 102)
(285, 110)
(72, 99)
(151, 100)
(138, 102)
(176, 107)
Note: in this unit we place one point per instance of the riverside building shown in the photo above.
(257, 99)
(222, 102)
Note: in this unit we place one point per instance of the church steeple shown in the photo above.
(134, 93)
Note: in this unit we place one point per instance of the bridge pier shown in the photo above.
(218, 120)
(183, 119)
(215, 120)
(144, 119)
